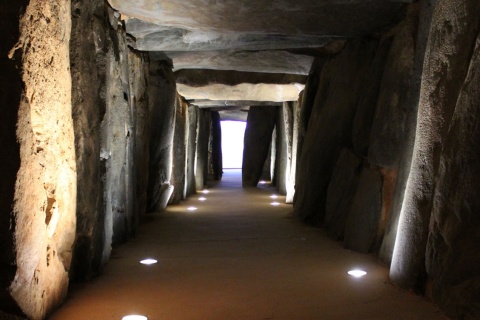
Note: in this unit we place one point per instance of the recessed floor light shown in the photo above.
(262, 182)
(202, 198)
(148, 261)
(357, 273)
(134, 317)
(191, 208)
(205, 191)
(275, 203)
(274, 196)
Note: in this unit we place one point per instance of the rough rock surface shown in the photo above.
(87, 53)
(258, 136)
(217, 160)
(117, 147)
(447, 59)
(138, 80)
(45, 190)
(271, 61)
(341, 191)
(203, 135)
(284, 129)
(179, 152)
(292, 171)
(235, 85)
(388, 131)
(453, 257)
(362, 221)
(197, 25)
(162, 117)
(362, 124)
(192, 125)
(10, 93)
(424, 20)
(330, 126)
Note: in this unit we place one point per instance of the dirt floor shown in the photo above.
(239, 257)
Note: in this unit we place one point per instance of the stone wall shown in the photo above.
(10, 93)
(179, 152)
(162, 116)
(258, 136)
(88, 52)
(45, 189)
(439, 220)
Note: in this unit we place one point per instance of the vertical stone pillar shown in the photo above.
(258, 135)
(10, 94)
(45, 190)
(191, 137)
(447, 59)
(179, 151)
(217, 164)
(203, 137)
(162, 117)
(87, 54)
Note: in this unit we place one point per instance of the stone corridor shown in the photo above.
(239, 257)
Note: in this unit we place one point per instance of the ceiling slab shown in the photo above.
(247, 61)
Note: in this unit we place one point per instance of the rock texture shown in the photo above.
(216, 161)
(179, 152)
(222, 85)
(10, 94)
(45, 190)
(284, 129)
(454, 231)
(388, 132)
(197, 25)
(162, 117)
(271, 61)
(447, 59)
(258, 136)
(203, 137)
(330, 126)
(340, 194)
(362, 221)
(191, 149)
(88, 52)
(362, 124)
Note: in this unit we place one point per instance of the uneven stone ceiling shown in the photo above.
(276, 37)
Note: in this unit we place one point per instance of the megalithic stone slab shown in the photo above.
(341, 192)
(258, 135)
(362, 221)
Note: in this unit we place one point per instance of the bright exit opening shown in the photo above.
(232, 143)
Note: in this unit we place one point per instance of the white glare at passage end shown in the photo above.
(357, 273)
(148, 261)
(134, 317)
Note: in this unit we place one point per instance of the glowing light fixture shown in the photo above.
(275, 203)
(262, 182)
(205, 191)
(357, 273)
(134, 317)
(192, 208)
(148, 261)
(202, 198)
(274, 196)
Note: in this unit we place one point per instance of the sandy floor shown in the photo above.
(238, 257)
